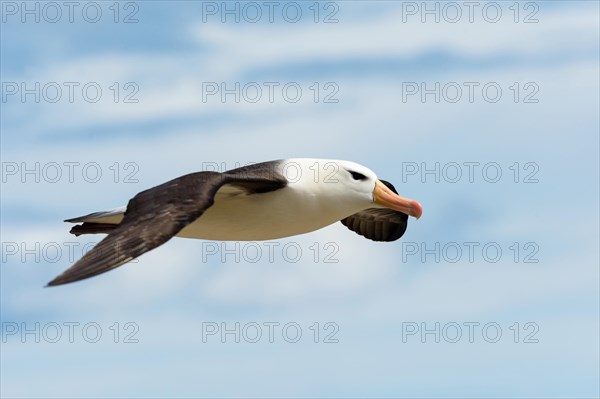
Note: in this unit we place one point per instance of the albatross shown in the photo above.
(262, 201)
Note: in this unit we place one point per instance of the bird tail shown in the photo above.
(97, 222)
(92, 228)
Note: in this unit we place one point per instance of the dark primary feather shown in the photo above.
(155, 215)
(378, 224)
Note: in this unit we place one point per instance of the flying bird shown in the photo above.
(262, 201)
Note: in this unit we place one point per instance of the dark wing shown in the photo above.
(378, 224)
(154, 216)
(258, 178)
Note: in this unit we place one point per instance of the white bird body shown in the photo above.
(315, 197)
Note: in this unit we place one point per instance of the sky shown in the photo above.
(487, 113)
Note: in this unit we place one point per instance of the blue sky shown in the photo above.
(94, 155)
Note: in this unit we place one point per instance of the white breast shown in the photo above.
(282, 213)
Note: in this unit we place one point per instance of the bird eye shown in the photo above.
(357, 176)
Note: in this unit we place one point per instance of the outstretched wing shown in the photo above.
(378, 224)
(155, 215)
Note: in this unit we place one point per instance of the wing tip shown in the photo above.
(60, 280)
(66, 278)
(53, 283)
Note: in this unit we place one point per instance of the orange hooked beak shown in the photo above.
(383, 196)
